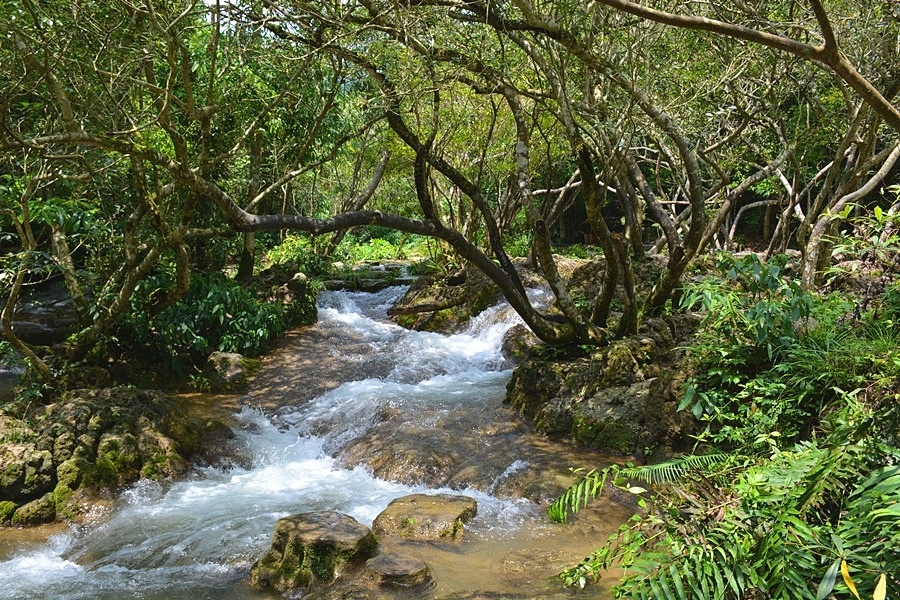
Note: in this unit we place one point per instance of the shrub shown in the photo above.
(299, 249)
(802, 393)
(215, 314)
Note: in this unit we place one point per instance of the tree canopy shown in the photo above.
(151, 136)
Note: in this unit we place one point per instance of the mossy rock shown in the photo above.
(36, 512)
(7, 508)
(94, 439)
(426, 517)
(70, 472)
(311, 550)
(620, 399)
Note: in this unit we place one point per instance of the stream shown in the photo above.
(347, 416)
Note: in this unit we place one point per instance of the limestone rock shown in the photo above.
(228, 371)
(518, 342)
(312, 549)
(619, 399)
(424, 517)
(445, 305)
(94, 439)
(42, 510)
(398, 570)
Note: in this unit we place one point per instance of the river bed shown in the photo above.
(345, 416)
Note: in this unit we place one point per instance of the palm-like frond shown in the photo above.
(674, 470)
(590, 485)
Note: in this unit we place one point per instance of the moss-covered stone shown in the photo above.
(70, 472)
(36, 512)
(63, 502)
(95, 439)
(619, 399)
(7, 508)
(310, 550)
(445, 304)
(426, 517)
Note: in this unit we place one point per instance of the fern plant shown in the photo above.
(760, 526)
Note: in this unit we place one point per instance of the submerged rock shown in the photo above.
(312, 549)
(394, 570)
(424, 517)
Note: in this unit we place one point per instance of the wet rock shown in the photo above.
(94, 438)
(36, 512)
(620, 399)
(518, 343)
(395, 570)
(312, 549)
(218, 448)
(228, 371)
(424, 517)
(489, 449)
(445, 305)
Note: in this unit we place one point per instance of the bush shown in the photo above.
(299, 249)
(215, 314)
(801, 392)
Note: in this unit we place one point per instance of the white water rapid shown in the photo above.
(197, 538)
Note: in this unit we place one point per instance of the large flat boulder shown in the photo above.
(425, 517)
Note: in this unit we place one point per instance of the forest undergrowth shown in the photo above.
(793, 490)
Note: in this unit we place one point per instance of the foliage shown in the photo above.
(801, 391)
(216, 314)
(590, 485)
(379, 243)
(578, 251)
(299, 249)
(774, 525)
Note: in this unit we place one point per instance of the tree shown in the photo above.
(192, 123)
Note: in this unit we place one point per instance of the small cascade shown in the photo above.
(199, 537)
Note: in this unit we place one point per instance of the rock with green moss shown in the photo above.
(36, 512)
(426, 517)
(618, 399)
(311, 550)
(26, 470)
(7, 508)
(95, 439)
(229, 371)
(445, 304)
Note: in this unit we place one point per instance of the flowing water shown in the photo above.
(346, 378)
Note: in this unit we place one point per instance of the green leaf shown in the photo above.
(676, 581)
(827, 583)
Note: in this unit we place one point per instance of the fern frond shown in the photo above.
(590, 485)
(675, 469)
(579, 494)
